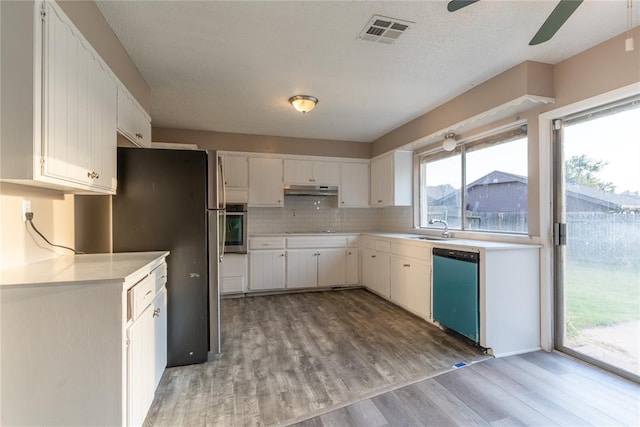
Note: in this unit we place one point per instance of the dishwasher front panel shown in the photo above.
(455, 294)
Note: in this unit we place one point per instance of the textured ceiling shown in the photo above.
(231, 66)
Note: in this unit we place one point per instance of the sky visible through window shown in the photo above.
(614, 139)
(502, 157)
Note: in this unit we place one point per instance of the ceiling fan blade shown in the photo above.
(459, 4)
(558, 17)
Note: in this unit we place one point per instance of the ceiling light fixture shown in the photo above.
(303, 103)
(449, 143)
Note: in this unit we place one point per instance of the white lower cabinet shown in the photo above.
(376, 271)
(233, 274)
(332, 267)
(302, 268)
(410, 286)
(266, 270)
(87, 351)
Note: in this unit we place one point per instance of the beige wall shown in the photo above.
(53, 217)
(262, 143)
(87, 17)
(528, 78)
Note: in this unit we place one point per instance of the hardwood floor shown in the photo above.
(532, 389)
(349, 358)
(287, 357)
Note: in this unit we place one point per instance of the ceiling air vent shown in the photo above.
(382, 29)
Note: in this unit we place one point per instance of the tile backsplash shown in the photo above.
(318, 213)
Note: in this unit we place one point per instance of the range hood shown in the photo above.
(310, 190)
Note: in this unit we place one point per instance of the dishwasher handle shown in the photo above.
(473, 257)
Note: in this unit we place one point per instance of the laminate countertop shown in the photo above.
(79, 269)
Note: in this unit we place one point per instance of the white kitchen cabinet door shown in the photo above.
(353, 266)
(332, 267)
(298, 171)
(381, 279)
(354, 185)
(133, 122)
(369, 267)
(236, 171)
(160, 336)
(326, 173)
(308, 172)
(140, 377)
(410, 288)
(391, 179)
(103, 150)
(302, 268)
(80, 108)
(266, 270)
(265, 182)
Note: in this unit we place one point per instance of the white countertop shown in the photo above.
(454, 243)
(80, 269)
(467, 244)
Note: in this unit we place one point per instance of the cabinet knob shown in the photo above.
(278, 201)
(349, 253)
(93, 175)
(156, 312)
(138, 135)
(281, 255)
(379, 201)
(373, 256)
(343, 202)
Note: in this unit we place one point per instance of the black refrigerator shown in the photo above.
(167, 200)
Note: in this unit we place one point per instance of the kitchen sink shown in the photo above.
(431, 238)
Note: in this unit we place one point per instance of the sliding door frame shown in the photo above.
(552, 256)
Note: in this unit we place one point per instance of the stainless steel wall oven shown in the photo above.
(236, 229)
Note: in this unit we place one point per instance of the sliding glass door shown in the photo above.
(597, 233)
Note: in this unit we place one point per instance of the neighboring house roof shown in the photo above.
(609, 200)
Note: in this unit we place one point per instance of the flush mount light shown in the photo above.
(303, 103)
(449, 143)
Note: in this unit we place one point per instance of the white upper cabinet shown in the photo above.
(60, 131)
(265, 182)
(236, 178)
(354, 185)
(391, 183)
(311, 172)
(133, 122)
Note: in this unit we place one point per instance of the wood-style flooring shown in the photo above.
(532, 389)
(350, 358)
(290, 356)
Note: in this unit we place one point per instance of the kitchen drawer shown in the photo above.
(159, 276)
(421, 252)
(352, 241)
(316, 242)
(140, 296)
(383, 246)
(368, 243)
(266, 243)
(233, 265)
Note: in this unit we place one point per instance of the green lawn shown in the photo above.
(600, 295)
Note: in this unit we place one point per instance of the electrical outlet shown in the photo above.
(26, 207)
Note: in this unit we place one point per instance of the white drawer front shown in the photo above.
(140, 296)
(419, 252)
(382, 245)
(316, 242)
(266, 243)
(160, 276)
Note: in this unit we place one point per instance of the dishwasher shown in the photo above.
(456, 291)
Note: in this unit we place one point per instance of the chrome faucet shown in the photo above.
(445, 232)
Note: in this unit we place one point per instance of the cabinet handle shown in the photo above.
(138, 135)
(406, 265)
(379, 201)
(373, 256)
(156, 312)
(148, 292)
(93, 175)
